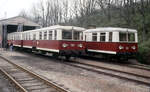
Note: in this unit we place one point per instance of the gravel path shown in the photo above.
(75, 79)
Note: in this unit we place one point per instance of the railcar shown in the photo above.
(59, 40)
(111, 41)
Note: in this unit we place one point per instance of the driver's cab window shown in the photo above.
(66, 34)
(123, 36)
(78, 35)
(131, 37)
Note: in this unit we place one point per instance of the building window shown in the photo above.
(102, 37)
(40, 35)
(45, 35)
(94, 37)
(110, 36)
(50, 35)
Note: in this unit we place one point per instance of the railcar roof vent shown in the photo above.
(91, 26)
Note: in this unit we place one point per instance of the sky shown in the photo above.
(11, 8)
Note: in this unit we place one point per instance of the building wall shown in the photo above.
(1, 29)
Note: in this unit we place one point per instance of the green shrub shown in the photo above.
(143, 55)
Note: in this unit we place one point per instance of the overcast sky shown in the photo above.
(11, 8)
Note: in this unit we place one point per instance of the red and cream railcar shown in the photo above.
(15, 38)
(61, 40)
(111, 41)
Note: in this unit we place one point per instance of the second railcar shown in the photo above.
(112, 41)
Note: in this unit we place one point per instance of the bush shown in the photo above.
(143, 55)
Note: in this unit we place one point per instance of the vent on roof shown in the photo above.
(91, 26)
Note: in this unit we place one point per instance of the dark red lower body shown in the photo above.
(112, 48)
(73, 48)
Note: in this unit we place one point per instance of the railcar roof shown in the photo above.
(110, 29)
(59, 27)
(15, 32)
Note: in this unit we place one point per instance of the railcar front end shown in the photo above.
(72, 48)
(118, 42)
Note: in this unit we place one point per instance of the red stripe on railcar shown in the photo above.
(107, 46)
(55, 44)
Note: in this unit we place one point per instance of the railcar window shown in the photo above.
(34, 36)
(55, 36)
(29, 36)
(81, 36)
(13, 37)
(123, 36)
(23, 36)
(102, 37)
(40, 35)
(26, 36)
(110, 36)
(66, 34)
(94, 36)
(17, 38)
(45, 35)
(50, 35)
(76, 35)
(131, 37)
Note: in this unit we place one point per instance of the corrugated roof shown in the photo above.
(17, 20)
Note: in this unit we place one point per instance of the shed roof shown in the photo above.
(17, 20)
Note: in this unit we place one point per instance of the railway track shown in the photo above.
(28, 81)
(137, 66)
(136, 78)
(139, 79)
(140, 66)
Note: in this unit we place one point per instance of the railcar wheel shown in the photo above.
(67, 57)
(55, 55)
(43, 52)
(108, 57)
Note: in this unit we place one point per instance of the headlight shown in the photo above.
(80, 45)
(121, 47)
(64, 45)
(133, 47)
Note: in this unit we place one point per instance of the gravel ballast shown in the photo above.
(72, 78)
